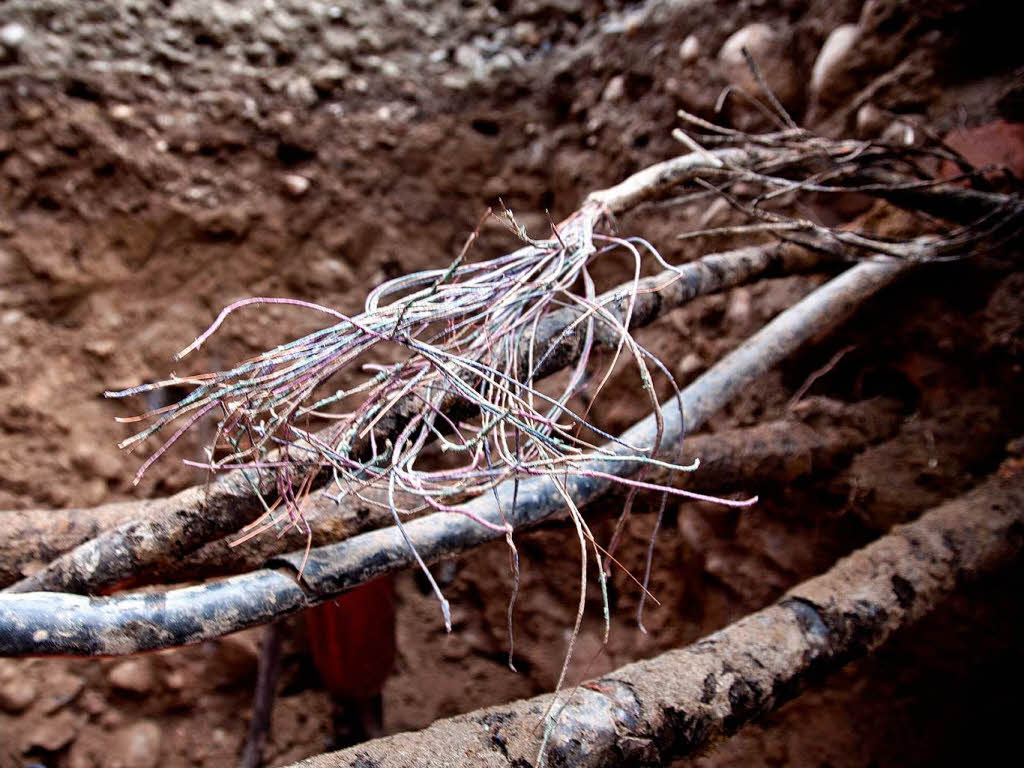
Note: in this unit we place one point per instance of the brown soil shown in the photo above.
(159, 160)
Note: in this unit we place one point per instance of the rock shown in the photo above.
(111, 718)
(525, 33)
(135, 746)
(340, 42)
(456, 81)
(469, 57)
(739, 309)
(12, 38)
(176, 680)
(225, 222)
(330, 76)
(61, 689)
(133, 675)
(53, 733)
(615, 89)
(101, 348)
(93, 702)
(17, 694)
(901, 133)
(370, 40)
(831, 76)
(689, 365)
(295, 184)
(689, 50)
(769, 49)
(121, 112)
(301, 91)
(870, 121)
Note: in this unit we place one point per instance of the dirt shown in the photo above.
(159, 160)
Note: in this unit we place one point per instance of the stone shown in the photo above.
(370, 40)
(340, 42)
(53, 733)
(101, 348)
(469, 57)
(870, 121)
(136, 746)
(122, 112)
(526, 33)
(831, 78)
(769, 48)
(740, 307)
(61, 689)
(176, 680)
(330, 76)
(689, 50)
(615, 89)
(133, 675)
(227, 221)
(301, 91)
(12, 38)
(295, 184)
(689, 365)
(17, 694)
(900, 132)
(456, 81)
(93, 702)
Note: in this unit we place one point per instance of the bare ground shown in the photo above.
(159, 160)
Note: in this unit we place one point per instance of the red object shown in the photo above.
(353, 639)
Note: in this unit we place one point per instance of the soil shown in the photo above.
(159, 160)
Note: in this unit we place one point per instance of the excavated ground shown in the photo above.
(159, 160)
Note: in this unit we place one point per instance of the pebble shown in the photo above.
(739, 308)
(12, 36)
(101, 348)
(615, 89)
(901, 133)
(301, 91)
(122, 112)
(17, 694)
(224, 221)
(830, 76)
(769, 49)
(340, 42)
(526, 33)
(176, 680)
(295, 184)
(133, 675)
(870, 121)
(690, 364)
(469, 56)
(456, 81)
(136, 746)
(689, 50)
